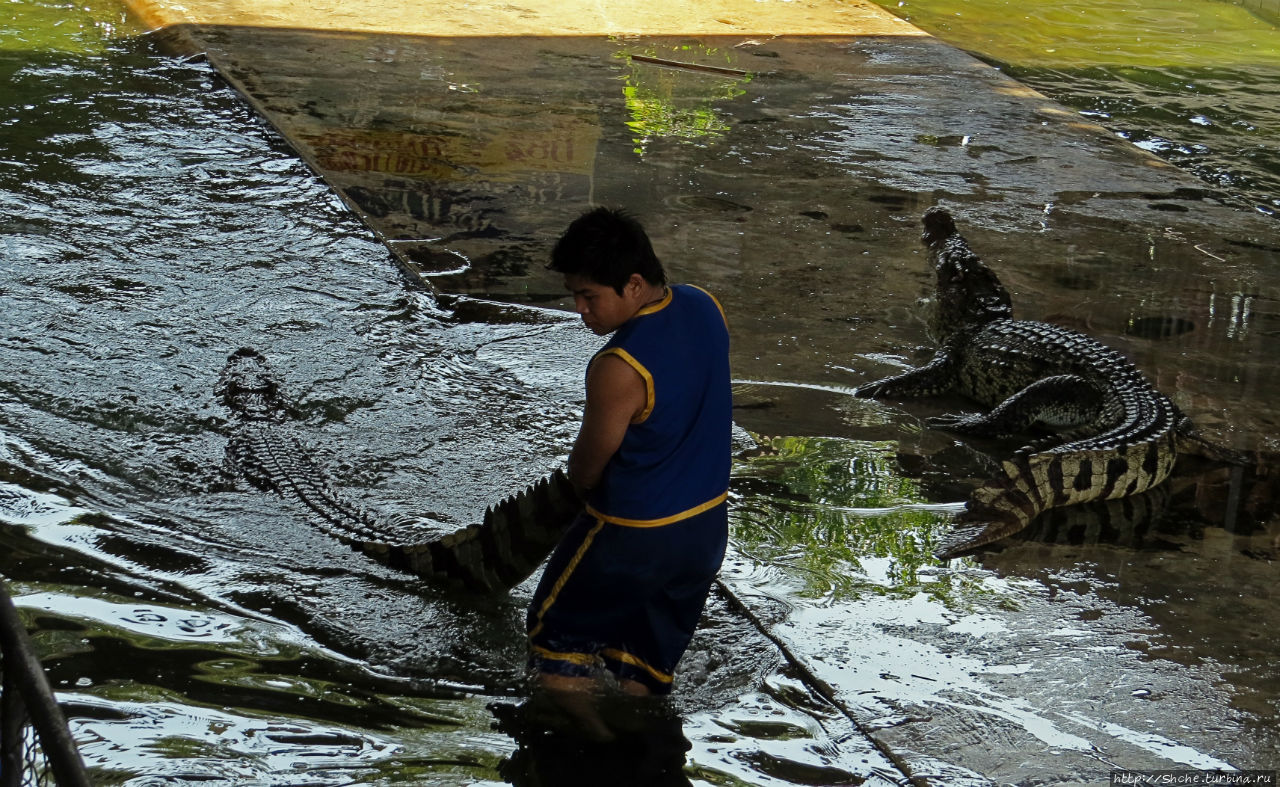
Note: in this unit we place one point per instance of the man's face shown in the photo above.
(602, 309)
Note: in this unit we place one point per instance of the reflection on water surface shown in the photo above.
(205, 630)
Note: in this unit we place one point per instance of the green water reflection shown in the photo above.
(838, 514)
(1083, 33)
(679, 103)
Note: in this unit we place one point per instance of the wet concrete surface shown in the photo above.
(801, 162)
(787, 174)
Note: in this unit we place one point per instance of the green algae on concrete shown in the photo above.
(81, 28)
(1151, 34)
(540, 17)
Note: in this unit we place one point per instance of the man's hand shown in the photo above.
(616, 396)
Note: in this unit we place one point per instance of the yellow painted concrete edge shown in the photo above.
(459, 18)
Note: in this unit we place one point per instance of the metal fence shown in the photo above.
(36, 748)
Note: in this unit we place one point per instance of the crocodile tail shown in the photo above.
(1126, 521)
(271, 458)
(515, 537)
(999, 508)
(1031, 484)
(1132, 457)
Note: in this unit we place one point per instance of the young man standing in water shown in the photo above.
(626, 586)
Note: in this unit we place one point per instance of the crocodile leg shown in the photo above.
(1061, 401)
(938, 376)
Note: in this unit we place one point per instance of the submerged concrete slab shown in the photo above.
(781, 154)
(759, 161)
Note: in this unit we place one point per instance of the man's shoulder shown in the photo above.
(703, 297)
(693, 290)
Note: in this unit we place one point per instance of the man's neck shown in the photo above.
(654, 294)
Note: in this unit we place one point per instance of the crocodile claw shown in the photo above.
(870, 390)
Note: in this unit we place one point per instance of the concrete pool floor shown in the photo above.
(781, 153)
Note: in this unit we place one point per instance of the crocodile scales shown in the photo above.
(1118, 435)
(513, 539)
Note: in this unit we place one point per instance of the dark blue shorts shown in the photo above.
(625, 598)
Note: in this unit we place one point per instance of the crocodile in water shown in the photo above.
(497, 554)
(1117, 435)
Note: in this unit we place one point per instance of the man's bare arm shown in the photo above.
(615, 396)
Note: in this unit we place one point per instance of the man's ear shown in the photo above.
(635, 284)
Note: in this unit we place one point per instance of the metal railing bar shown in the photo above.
(46, 717)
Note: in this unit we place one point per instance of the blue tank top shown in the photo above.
(674, 459)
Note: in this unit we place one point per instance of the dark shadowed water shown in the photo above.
(203, 631)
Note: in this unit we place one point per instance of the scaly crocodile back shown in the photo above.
(1124, 434)
(511, 541)
(1032, 483)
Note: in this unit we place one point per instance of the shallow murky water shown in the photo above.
(202, 630)
(1193, 82)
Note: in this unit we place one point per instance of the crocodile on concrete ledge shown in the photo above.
(1118, 435)
(495, 555)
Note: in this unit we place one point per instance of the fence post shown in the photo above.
(12, 718)
(21, 667)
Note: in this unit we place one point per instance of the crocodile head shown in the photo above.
(248, 387)
(968, 294)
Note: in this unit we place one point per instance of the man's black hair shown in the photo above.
(607, 245)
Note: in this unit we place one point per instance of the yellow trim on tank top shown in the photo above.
(714, 300)
(629, 359)
(659, 306)
(666, 520)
